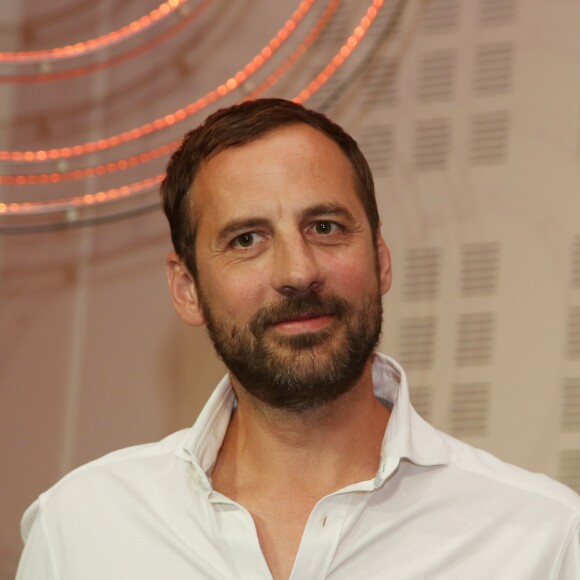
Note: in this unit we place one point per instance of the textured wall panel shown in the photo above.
(470, 409)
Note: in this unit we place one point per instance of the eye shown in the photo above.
(246, 240)
(326, 228)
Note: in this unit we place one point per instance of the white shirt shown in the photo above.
(436, 509)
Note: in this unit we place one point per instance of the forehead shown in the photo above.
(281, 170)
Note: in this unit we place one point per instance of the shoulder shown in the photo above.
(534, 487)
(120, 476)
(124, 461)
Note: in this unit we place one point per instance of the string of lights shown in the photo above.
(94, 44)
(85, 172)
(89, 199)
(143, 157)
(170, 119)
(340, 57)
(387, 33)
(298, 52)
(150, 184)
(188, 16)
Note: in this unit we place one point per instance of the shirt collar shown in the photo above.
(207, 434)
(407, 436)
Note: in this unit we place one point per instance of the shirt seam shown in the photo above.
(565, 545)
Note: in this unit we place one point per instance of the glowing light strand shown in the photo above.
(341, 56)
(146, 185)
(85, 172)
(90, 199)
(122, 164)
(113, 60)
(168, 120)
(298, 52)
(94, 44)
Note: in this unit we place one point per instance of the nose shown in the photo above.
(295, 269)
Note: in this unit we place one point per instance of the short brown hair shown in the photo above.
(235, 126)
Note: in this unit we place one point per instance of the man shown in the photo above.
(308, 461)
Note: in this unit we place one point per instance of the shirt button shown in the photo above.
(324, 521)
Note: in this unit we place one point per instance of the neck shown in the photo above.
(323, 449)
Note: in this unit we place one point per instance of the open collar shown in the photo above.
(407, 436)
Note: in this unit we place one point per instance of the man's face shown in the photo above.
(288, 281)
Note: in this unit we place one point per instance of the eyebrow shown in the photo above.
(327, 209)
(244, 224)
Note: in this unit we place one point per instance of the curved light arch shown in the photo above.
(177, 116)
(94, 44)
(133, 189)
(145, 156)
(112, 60)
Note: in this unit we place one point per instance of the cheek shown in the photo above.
(237, 295)
(353, 274)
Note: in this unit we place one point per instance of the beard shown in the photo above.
(303, 371)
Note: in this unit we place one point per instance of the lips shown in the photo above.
(304, 324)
(298, 315)
(306, 316)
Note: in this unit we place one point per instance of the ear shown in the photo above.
(183, 291)
(384, 263)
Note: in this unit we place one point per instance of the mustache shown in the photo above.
(295, 307)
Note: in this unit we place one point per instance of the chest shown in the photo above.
(397, 531)
(351, 537)
(280, 529)
(295, 536)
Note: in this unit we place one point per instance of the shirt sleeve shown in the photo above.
(37, 560)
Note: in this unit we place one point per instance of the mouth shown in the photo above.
(304, 323)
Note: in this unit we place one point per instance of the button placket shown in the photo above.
(238, 530)
(321, 537)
